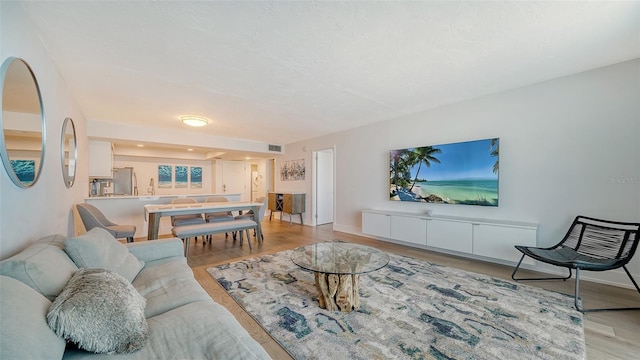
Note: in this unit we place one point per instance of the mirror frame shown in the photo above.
(68, 179)
(3, 148)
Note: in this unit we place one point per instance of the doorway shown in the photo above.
(323, 186)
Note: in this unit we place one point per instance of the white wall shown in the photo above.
(28, 214)
(568, 146)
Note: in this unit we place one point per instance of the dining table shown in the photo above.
(154, 212)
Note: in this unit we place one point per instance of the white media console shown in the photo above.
(490, 239)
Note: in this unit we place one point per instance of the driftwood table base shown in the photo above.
(338, 292)
(337, 266)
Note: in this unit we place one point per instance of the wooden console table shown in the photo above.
(290, 203)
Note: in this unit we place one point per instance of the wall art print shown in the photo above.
(292, 170)
(181, 177)
(196, 177)
(164, 176)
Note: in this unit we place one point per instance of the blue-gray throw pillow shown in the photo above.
(101, 312)
(100, 250)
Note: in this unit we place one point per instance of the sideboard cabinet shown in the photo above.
(493, 239)
(290, 203)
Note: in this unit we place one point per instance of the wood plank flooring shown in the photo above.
(609, 335)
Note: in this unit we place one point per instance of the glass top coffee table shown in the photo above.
(337, 267)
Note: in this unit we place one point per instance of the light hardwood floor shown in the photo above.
(609, 335)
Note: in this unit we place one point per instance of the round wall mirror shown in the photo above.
(22, 143)
(68, 152)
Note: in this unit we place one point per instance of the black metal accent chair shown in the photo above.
(590, 244)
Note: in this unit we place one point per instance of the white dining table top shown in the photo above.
(237, 205)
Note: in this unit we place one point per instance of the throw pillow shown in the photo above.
(24, 333)
(43, 265)
(101, 312)
(99, 249)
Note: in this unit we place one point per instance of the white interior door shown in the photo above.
(324, 187)
(234, 179)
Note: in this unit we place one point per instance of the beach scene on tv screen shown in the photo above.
(463, 173)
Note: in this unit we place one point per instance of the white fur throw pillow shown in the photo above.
(101, 312)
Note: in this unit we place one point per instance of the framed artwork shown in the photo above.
(196, 177)
(181, 176)
(292, 170)
(164, 176)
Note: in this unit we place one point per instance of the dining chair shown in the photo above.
(218, 216)
(92, 217)
(187, 219)
(249, 215)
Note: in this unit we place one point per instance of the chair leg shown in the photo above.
(578, 301)
(130, 239)
(186, 242)
(513, 275)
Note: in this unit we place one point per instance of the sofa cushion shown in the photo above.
(101, 312)
(201, 330)
(43, 266)
(156, 274)
(99, 249)
(167, 284)
(24, 333)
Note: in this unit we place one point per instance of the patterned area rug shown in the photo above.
(410, 309)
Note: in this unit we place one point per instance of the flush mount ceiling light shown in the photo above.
(193, 120)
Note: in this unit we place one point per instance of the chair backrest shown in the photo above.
(92, 217)
(603, 239)
(216, 199)
(185, 200)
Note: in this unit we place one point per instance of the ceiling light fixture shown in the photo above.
(193, 120)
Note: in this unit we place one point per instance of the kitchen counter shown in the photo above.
(129, 210)
(230, 197)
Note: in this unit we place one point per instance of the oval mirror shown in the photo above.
(22, 143)
(68, 152)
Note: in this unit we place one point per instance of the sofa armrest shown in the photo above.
(156, 249)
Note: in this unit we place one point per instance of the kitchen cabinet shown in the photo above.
(290, 203)
(480, 238)
(100, 160)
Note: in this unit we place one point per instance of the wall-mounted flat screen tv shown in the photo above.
(463, 173)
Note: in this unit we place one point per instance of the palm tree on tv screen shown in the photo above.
(399, 168)
(423, 155)
(494, 148)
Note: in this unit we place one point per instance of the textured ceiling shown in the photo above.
(281, 72)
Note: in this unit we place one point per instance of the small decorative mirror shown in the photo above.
(68, 152)
(22, 143)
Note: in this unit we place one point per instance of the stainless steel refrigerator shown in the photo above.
(123, 181)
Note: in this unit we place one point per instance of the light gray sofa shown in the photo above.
(183, 321)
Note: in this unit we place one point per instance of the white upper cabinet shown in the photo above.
(100, 160)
